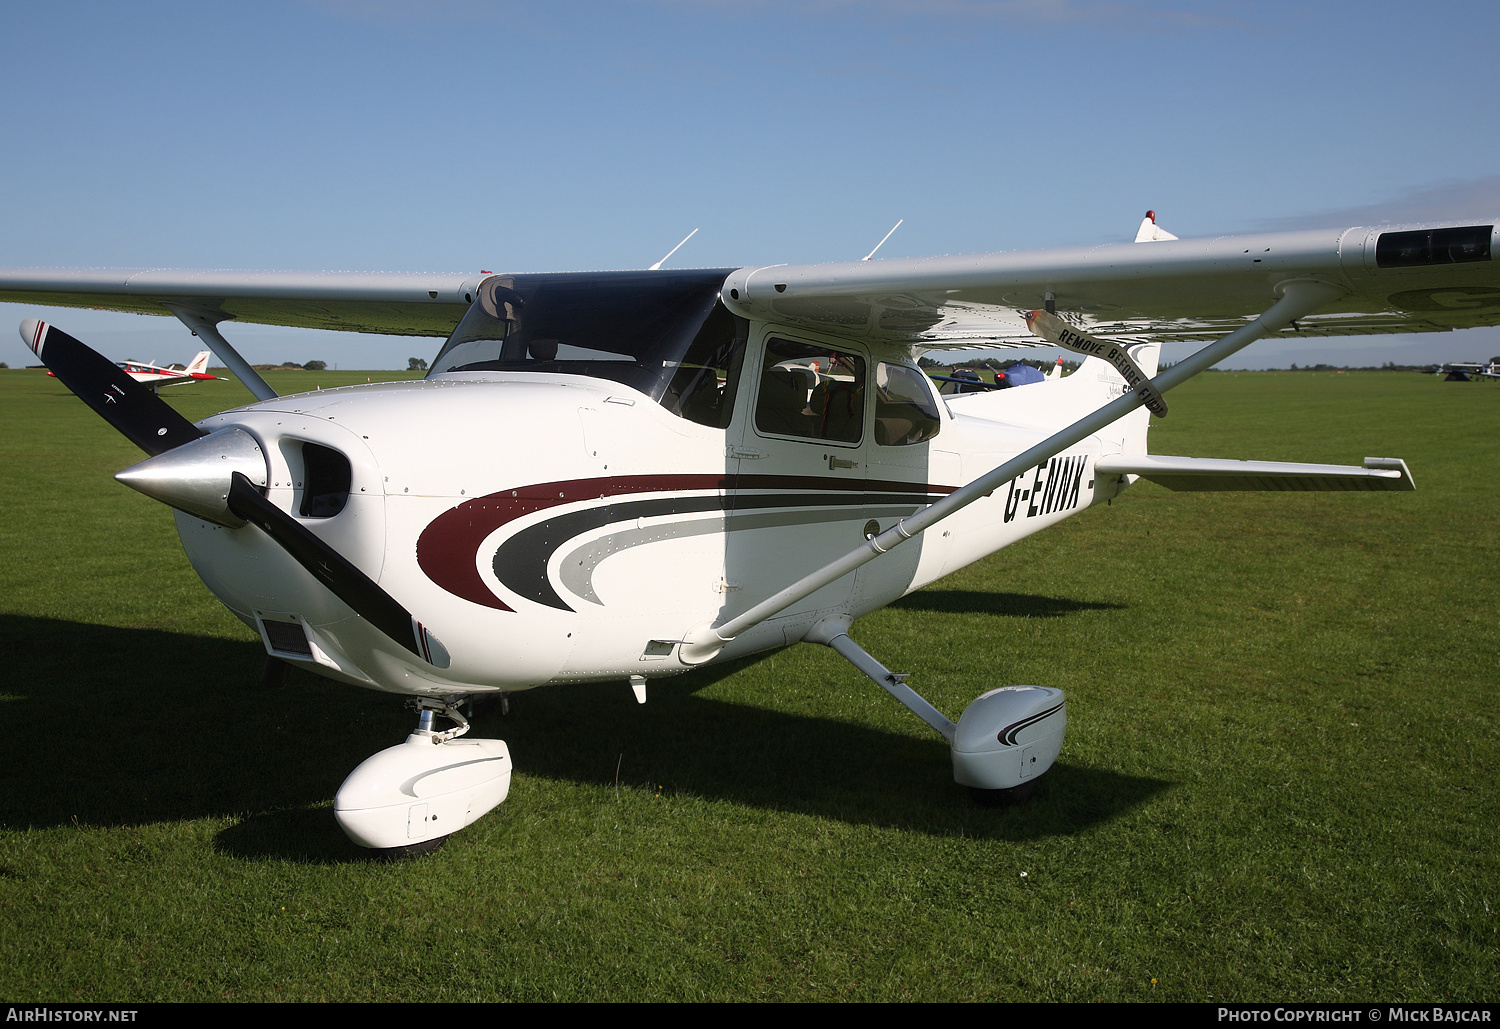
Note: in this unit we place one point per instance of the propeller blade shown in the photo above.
(334, 571)
(144, 418)
(151, 424)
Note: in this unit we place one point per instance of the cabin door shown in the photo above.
(798, 455)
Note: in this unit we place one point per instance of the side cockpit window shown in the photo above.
(479, 340)
(703, 386)
(905, 412)
(812, 392)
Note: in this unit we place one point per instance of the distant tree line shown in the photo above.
(311, 366)
(1389, 366)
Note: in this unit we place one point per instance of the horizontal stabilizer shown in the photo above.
(1209, 473)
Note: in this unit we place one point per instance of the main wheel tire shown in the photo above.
(1003, 798)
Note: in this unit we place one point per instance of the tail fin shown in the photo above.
(1097, 382)
(1048, 406)
(1056, 372)
(1150, 232)
(1134, 425)
(199, 363)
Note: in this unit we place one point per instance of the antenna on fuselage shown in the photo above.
(657, 266)
(887, 236)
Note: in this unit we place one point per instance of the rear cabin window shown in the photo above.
(811, 392)
(905, 412)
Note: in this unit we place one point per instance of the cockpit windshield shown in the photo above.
(663, 333)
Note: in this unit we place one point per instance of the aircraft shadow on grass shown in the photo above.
(112, 726)
(1011, 605)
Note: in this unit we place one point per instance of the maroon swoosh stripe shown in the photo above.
(447, 547)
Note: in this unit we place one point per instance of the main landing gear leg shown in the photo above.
(1002, 743)
(408, 799)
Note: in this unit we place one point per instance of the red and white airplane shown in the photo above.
(612, 476)
(154, 376)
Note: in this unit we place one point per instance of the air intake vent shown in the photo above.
(287, 638)
(325, 481)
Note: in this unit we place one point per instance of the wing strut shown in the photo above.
(1299, 298)
(205, 327)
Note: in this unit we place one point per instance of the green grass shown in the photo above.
(1279, 780)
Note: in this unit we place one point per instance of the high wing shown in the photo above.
(1398, 279)
(398, 304)
(1427, 278)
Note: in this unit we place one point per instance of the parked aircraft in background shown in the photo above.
(1462, 371)
(154, 376)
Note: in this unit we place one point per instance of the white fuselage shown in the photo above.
(556, 528)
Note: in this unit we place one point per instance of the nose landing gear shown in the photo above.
(407, 799)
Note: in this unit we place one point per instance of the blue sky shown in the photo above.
(455, 135)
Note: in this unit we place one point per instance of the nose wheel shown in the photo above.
(273, 673)
(393, 854)
(1003, 798)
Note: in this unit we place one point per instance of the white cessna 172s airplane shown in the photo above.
(631, 474)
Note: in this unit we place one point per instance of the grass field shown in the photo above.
(1279, 779)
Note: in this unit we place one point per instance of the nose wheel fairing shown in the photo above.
(408, 798)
